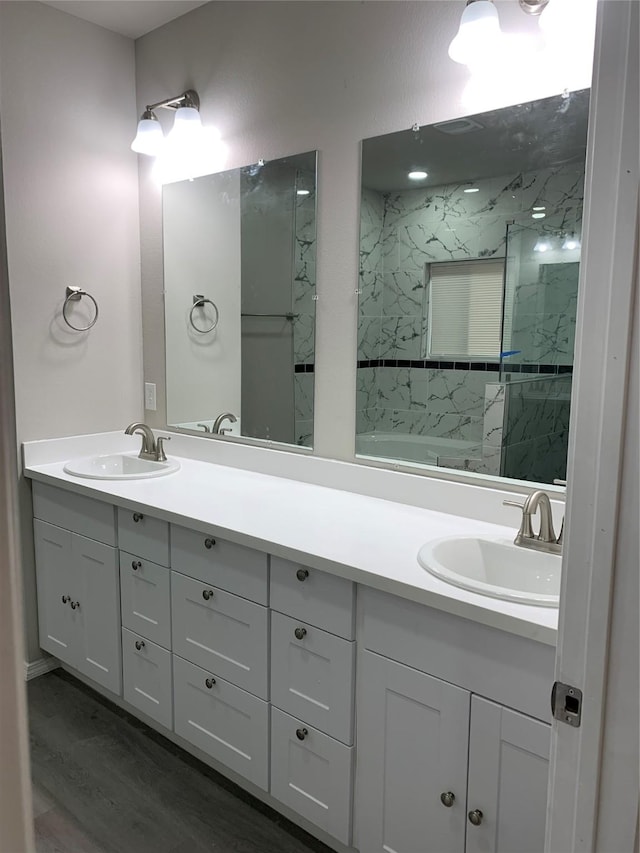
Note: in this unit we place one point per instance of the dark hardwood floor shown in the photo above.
(104, 782)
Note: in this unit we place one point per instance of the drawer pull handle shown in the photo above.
(209, 682)
(300, 633)
(209, 543)
(302, 574)
(66, 599)
(135, 565)
(137, 516)
(301, 733)
(447, 799)
(140, 644)
(475, 817)
(207, 594)
(75, 605)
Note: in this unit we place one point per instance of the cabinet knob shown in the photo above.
(139, 644)
(447, 799)
(66, 599)
(209, 682)
(75, 605)
(301, 733)
(300, 633)
(137, 516)
(135, 565)
(209, 543)
(302, 574)
(207, 594)
(475, 817)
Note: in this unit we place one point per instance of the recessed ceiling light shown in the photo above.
(538, 215)
(471, 190)
(417, 175)
(303, 192)
(539, 208)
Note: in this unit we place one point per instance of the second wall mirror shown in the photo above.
(470, 250)
(239, 277)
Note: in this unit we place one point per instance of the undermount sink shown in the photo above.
(120, 466)
(495, 567)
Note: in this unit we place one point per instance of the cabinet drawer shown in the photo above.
(315, 597)
(146, 670)
(312, 676)
(224, 633)
(225, 722)
(146, 598)
(512, 670)
(144, 536)
(312, 776)
(90, 518)
(226, 565)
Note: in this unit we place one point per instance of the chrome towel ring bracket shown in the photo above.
(75, 294)
(199, 301)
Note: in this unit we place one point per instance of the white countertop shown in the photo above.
(364, 539)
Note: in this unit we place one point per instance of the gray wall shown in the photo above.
(281, 78)
(68, 110)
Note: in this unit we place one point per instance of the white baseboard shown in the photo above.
(39, 667)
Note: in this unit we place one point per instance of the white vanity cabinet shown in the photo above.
(312, 694)
(439, 768)
(78, 584)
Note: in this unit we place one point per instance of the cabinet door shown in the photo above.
(224, 633)
(413, 734)
(311, 773)
(222, 720)
(97, 611)
(146, 675)
(146, 598)
(55, 581)
(312, 676)
(508, 769)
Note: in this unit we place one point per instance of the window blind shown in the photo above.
(465, 308)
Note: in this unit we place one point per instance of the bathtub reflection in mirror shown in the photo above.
(468, 290)
(239, 271)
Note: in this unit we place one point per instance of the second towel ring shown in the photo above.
(75, 294)
(198, 302)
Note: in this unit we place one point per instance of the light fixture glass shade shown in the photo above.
(479, 33)
(149, 138)
(186, 124)
(571, 242)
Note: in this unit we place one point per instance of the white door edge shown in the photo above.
(597, 423)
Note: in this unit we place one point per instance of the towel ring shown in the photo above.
(198, 302)
(75, 294)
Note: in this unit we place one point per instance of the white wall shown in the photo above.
(281, 78)
(68, 110)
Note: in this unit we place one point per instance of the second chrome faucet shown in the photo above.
(546, 539)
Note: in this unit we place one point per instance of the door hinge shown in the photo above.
(566, 703)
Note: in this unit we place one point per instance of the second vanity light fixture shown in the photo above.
(480, 35)
(187, 125)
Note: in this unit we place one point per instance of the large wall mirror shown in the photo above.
(239, 277)
(470, 250)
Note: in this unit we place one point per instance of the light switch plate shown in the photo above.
(150, 396)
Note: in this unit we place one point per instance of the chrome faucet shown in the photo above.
(217, 428)
(152, 449)
(546, 539)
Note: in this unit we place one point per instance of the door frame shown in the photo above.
(597, 433)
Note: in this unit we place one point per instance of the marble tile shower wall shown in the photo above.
(304, 288)
(536, 429)
(400, 233)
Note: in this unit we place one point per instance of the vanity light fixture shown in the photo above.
(187, 124)
(543, 245)
(417, 175)
(479, 32)
(571, 242)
